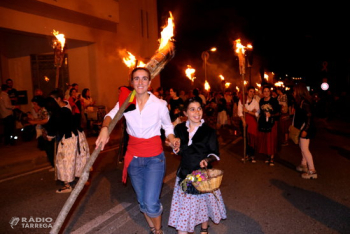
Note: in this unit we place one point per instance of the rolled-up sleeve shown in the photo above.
(114, 111)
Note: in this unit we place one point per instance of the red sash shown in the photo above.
(141, 147)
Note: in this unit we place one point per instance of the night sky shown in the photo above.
(287, 38)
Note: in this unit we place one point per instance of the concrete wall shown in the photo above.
(95, 32)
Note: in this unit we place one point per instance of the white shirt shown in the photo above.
(5, 105)
(147, 123)
(253, 105)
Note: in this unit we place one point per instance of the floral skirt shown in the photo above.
(187, 210)
(72, 155)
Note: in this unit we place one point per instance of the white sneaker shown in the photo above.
(309, 175)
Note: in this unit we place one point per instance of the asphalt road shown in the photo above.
(258, 198)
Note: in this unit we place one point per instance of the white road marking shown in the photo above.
(124, 217)
(102, 218)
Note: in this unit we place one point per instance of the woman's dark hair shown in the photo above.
(281, 89)
(301, 93)
(71, 91)
(51, 105)
(57, 93)
(191, 100)
(84, 93)
(175, 91)
(250, 87)
(195, 92)
(40, 100)
(137, 69)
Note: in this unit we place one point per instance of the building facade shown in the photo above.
(95, 32)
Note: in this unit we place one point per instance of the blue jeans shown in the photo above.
(146, 175)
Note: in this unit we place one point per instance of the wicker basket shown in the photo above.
(213, 182)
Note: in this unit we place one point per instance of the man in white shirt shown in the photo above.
(6, 113)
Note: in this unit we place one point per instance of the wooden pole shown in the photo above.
(57, 76)
(244, 127)
(155, 65)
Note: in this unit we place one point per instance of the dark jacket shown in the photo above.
(303, 119)
(204, 142)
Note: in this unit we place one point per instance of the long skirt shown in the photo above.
(72, 155)
(187, 210)
(267, 141)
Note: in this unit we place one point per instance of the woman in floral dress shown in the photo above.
(199, 147)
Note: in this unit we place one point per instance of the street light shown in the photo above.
(205, 57)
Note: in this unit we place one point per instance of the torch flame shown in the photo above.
(206, 86)
(245, 82)
(130, 61)
(222, 77)
(46, 79)
(279, 84)
(227, 85)
(60, 38)
(190, 72)
(167, 33)
(239, 47)
(266, 76)
(258, 85)
(237, 88)
(141, 64)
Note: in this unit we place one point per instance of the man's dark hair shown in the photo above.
(4, 87)
(40, 100)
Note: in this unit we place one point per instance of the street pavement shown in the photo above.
(258, 198)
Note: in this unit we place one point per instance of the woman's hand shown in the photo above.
(175, 144)
(268, 114)
(103, 138)
(203, 163)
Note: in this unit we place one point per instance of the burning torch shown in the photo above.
(59, 48)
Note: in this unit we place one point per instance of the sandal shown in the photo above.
(65, 189)
(153, 230)
(159, 231)
(205, 229)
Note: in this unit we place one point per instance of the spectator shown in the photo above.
(221, 109)
(267, 129)
(12, 92)
(303, 120)
(251, 109)
(88, 104)
(6, 113)
(284, 122)
(74, 101)
(42, 118)
(175, 106)
(66, 94)
(183, 95)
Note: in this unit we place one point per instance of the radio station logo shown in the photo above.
(32, 222)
